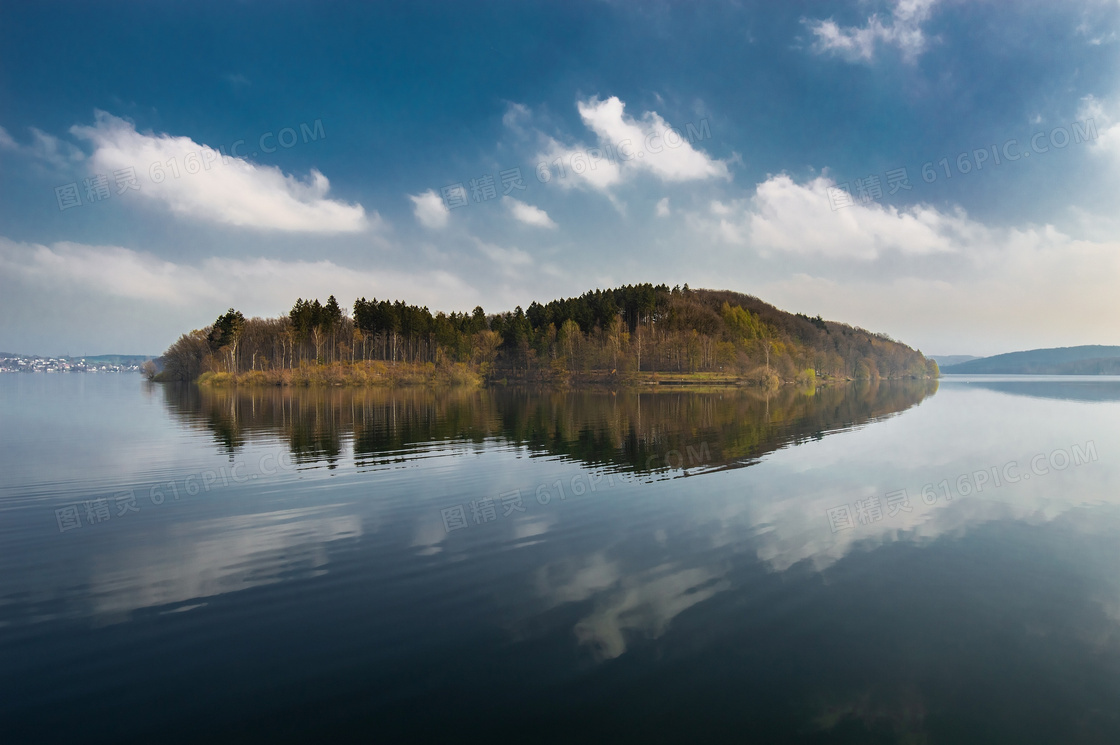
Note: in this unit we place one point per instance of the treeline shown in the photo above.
(631, 329)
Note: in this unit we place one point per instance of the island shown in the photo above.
(633, 335)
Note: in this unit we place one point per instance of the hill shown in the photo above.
(1084, 360)
(944, 360)
(634, 331)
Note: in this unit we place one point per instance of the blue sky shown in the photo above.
(761, 145)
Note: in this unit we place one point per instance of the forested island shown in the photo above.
(632, 334)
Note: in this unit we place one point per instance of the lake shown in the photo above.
(900, 561)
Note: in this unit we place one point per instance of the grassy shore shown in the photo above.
(403, 374)
(646, 378)
(378, 374)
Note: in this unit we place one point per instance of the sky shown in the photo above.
(942, 171)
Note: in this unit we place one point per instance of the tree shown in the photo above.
(486, 345)
(184, 360)
(225, 334)
(225, 329)
(569, 338)
(331, 321)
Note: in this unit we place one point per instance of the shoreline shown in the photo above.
(430, 375)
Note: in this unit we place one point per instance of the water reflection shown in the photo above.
(623, 431)
(1062, 387)
(212, 557)
(329, 600)
(643, 433)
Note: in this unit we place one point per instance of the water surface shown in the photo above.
(891, 562)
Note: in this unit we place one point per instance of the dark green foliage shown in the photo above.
(226, 329)
(818, 321)
(596, 309)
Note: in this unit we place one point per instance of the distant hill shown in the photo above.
(944, 360)
(1085, 360)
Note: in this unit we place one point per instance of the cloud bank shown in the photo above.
(227, 191)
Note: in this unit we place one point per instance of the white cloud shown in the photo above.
(115, 271)
(45, 148)
(255, 286)
(627, 147)
(510, 259)
(1104, 124)
(1066, 289)
(430, 210)
(516, 113)
(528, 214)
(52, 150)
(663, 207)
(6, 141)
(719, 208)
(903, 30)
(1093, 28)
(597, 171)
(896, 269)
(653, 140)
(787, 218)
(794, 218)
(234, 192)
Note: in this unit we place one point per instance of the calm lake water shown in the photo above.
(911, 562)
